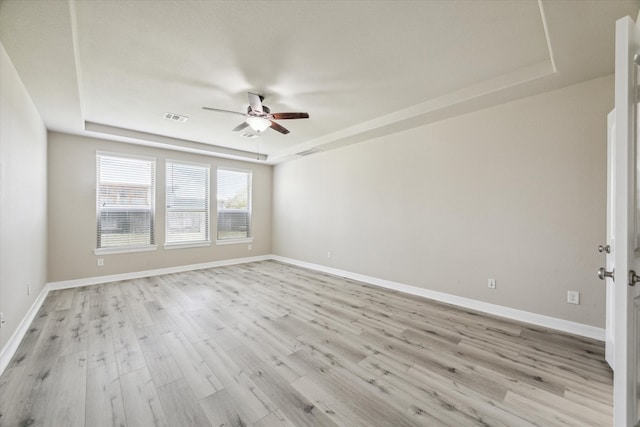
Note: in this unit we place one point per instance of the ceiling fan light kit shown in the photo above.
(258, 124)
(260, 117)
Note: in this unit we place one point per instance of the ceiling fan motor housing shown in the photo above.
(265, 111)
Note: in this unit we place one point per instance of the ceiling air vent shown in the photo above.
(308, 152)
(176, 117)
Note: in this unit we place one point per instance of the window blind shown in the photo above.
(125, 201)
(234, 204)
(187, 203)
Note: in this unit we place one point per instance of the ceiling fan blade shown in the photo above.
(240, 126)
(278, 128)
(255, 101)
(283, 116)
(223, 111)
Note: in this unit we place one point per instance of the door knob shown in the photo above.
(605, 248)
(633, 278)
(603, 273)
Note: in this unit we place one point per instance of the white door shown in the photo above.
(626, 249)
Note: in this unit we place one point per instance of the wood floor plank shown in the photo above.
(28, 405)
(295, 407)
(158, 292)
(160, 361)
(236, 382)
(160, 317)
(275, 419)
(81, 300)
(251, 337)
(372, 400)
(540, 414)
(222, 409)
(214, 328)
(186, 325)
(104, 301)
(75, 335)
(341, 412)
(262, 330)
(203, 382)
(67, 404)
(10, 385)
(136, 291)
(101, 350)
(455, 396)
(175, 286)
(266, 344)
(104, 407)
(181, 406)
(513, 368)
(599, 398)
(142, 406)
(31, 396)
(138, 314)
(372, 385)
(127, 348)
(562, 407)
(64, 298)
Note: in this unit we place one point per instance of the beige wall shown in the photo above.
(72, 211)
(23, 199)
(515, 192)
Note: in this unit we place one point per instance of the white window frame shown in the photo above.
(152, 202)
(249, 237)
(192, 243)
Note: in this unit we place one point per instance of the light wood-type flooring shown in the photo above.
(267, 344)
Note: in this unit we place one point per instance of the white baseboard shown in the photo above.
(11, 347)
(484, 307)
(65, 284)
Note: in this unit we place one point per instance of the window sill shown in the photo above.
(234, 241)
(170, 246)
(123, 250)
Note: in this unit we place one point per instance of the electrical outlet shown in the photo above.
(491, 283)
(250, 247)
(100, 262)
(573, 297)
(329, 254)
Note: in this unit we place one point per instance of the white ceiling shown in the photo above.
(361, 69)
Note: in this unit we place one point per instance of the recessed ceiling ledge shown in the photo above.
(160, 141)
(501, 83)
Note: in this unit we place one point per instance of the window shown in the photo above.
(125, 203)
(234, 204)
(187, 203)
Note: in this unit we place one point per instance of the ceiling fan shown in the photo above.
(259, 117)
